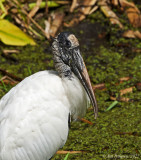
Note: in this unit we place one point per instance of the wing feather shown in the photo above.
(34, 118)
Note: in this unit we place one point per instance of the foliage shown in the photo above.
(12, 35)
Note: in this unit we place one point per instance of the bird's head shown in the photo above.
(68, 60)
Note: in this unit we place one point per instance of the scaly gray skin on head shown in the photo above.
(67, 59)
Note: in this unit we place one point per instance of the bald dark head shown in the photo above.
(68, 60)
(67, 40)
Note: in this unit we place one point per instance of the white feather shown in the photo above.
(34, 115)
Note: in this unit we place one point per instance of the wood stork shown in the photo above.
(34, 114)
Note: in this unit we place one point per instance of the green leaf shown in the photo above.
(12, 35)
(4, 86)
(3, 9)
(111, 106)
(66, 157)
(43, 4)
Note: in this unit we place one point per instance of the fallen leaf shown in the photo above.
(131, 10)
(122, 3)
(136, 50)
(9, 56)
(132, 34)
(134, 16)
(115, 2)
(124, 99)
(12, 35)
(86, 121)
(102, 35)
(10, 75)
(32, 20)
(129, 34)
(35, 8)
(7, 51)
(113, 98)
(73, 6)
(138, 86)
(71, 152)
(129, 133)
(56, 23)
(124, 79)
(127, 90)
(8, 80)
(47, 27)
(99, 86)
(93, 9)
(109, 13)
(82, 12)
(137, 34)
(86, 9)
(120, 99)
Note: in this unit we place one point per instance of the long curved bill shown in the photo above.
(80, 71)
(88, 87)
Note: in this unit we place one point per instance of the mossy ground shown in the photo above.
(107, 62)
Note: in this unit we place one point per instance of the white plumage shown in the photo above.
(34, 115)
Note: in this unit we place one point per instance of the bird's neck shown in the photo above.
(63, 69)
(76, 96)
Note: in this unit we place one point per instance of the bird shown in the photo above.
(35, 114)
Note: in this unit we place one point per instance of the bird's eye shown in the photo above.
(68, 44)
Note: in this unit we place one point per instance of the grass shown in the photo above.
(3, 86)
(66, 157)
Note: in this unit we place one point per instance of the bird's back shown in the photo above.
(34, 118)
